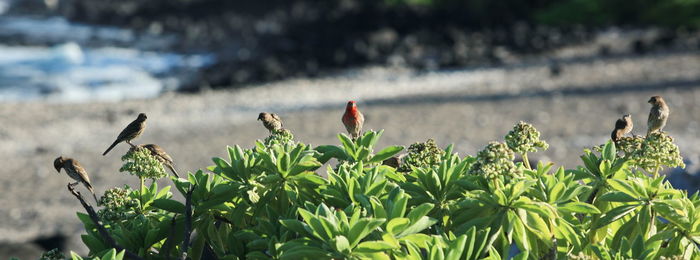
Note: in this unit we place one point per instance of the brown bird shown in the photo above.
(623, 126)
(658, 115)
(131, 131)
(271, 121)
(393, 162)
(353, 119)
(75, 171)
(161, 155)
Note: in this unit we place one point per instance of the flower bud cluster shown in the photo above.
(117, 205)
(496, 159)
(656, 151)
(53, 254)
(525, 138)
(142, 163)
(421, 155)
(281, 136)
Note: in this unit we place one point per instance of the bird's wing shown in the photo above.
(129, 130)
(80, 170)
(348, 122)
(360, 119)
(276, 117)
(165, 156)
(620, 123)
(654, 114)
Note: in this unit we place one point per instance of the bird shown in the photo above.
(623, 126)
(160, 155)
(353, 119)
(75, 171)
(393, 161)
(271, 121)
(131, 131)
(658, 115)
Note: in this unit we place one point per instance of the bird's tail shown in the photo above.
(89, 187)
(172, 169)
(111, 146)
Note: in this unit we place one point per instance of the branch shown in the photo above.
(188, 223)
(168, 243)
(100, 228)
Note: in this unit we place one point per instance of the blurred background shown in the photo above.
(73, 73)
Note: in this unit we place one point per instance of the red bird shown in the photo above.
(353, 120)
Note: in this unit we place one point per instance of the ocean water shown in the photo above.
(85, 63)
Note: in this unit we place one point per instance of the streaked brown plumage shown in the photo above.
(160, 154)
(623, 126)
(658, 115)
(131, 131)
(75, 171)
(353, 120)
(271, 121)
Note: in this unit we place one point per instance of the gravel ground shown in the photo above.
(469, 108)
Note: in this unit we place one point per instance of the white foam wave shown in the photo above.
(69, 73)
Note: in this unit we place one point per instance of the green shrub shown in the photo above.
(269, 202)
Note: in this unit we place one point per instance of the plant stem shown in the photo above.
(106, 236)
(141, 193)
(656, 171)
(526, 161)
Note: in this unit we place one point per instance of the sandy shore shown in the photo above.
(469, 108)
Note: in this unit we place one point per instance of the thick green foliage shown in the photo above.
(269, 202)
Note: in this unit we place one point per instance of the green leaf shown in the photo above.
(399, 208)
(374, 246)
(169, 205)
(362, 154)
(419, 239)
(110, 255)
(671, 214)
(92, 243)
(386, 153)
(75, 256)
(397, 225)
(579, 207)
(617, 196)
(331, 151)
(342, 244)
(361, 229)
(522, 256)
(197, 247)
(609, 151)
(456, 248)
(304, 252)
(420, 211)
(519, 233)
(348, 144)
(296, 226)
(540, 208)
(623, 186)
(613, 215)
(556, 192)
(422, 223)
(87, 221)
